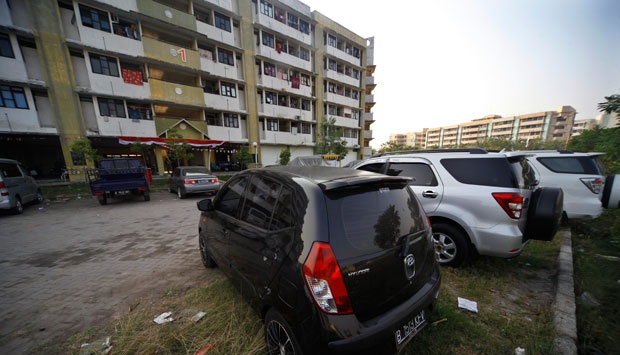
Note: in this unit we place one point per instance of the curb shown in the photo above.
(564, 317)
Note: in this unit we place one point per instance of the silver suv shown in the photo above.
(478, 202)
(581, 177)
(17, 187)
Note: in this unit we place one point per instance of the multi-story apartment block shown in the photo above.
(219, 73)
(546, 126)
(410, 139)
(581, 125)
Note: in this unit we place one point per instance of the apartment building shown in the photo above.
(218, 73)
(410, 139)
(546, 126)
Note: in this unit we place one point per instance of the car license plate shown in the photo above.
(122, 192)
(409, 329)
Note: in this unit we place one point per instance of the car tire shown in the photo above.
(103, 200)
(279, 336)
(207, 260)
(40, 198)
(180, 193)
(147, 195)
(452, 247)
(19, 206)
(544, 214)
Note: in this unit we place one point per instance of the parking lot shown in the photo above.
(66, 266)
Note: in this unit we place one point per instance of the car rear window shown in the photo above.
(369, 218)
(9, 170)
(570, 165)
(421, 174)
(481, 171)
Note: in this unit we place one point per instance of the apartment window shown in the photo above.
(293, 21)
(305, 79)
(356, 52)
(95, 19)
(272, 125)
(266, 8)
(356, 73)
(6, 50)
(304, 27)
(305, 105)
(231, 120)
(280, 15)
(111, 107)
(226, 57)
(271, 98)
(103, 65)
(331, 65)
(269, 69)
(331, 40)
(305, 128)
(268, 40)
(304, 54)
(229, 89)
(222, 22)
(203, 16)
(139, 111)
(13, 97)
(211, 119)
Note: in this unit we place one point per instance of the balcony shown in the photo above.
(342, 78)
(276, 84)
(335, 52)
(225, 4)
(284, 112)
(219, 69)
(223, 103)
(167, 14)
(217, 34)
(341, 100)
(370, 98)
(176, 93)
(116, 86)
(368, 134)
(282, 28)
(346, 122)
(227, 133)
(171, 53)
(288, 138)
(120, 126)
(23, 121)
(368, 117)
(283, 57)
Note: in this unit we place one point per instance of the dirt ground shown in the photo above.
(71, 265)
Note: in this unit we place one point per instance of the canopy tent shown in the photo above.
(200, 143)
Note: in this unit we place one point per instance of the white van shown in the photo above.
(17, 187)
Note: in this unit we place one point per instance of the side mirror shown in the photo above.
(205, 205)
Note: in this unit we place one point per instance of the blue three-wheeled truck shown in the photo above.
(119, 177)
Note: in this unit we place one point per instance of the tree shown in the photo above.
(285, 156)
(611, 106)
(82, 150)
(143, 149)
(178, 150)
(391, 146)
(330, 140)
(242, 156)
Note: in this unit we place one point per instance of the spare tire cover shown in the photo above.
(611, 193)
(544, 213)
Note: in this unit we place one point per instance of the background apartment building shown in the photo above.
(545, 126)
(221, 73)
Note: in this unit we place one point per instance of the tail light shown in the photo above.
(594, 184)
(325, 282)
(213, 181)
(3, 190)
(189, 182)
(512, 203)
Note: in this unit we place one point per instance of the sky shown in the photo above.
(444, 62)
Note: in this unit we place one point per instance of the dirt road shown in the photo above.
(65, 267)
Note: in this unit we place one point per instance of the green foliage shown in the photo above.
(178, 150)
(600, 140)
(141, 149)
(329, 138)
(390, 146)
(83, 148)
(611, 106)
(285, 156)
(242, 156)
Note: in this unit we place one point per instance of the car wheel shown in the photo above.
(40, 197)
(451, 245)
(279, 336)
(147, 195)
(180, 193)
(103, 200)
(544, 213)
(19, 207)
(207, 261)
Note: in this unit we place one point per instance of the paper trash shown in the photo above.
(163, 318)
(198, 316)
(468, 305)
(97, 347)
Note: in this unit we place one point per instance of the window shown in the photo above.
(293, 21)
(266, 8)
(203, 16)
(126, 28)
(271, 98)
(229, 89)
(267, 205)
(272, 125)
(304, 54)
(375, 167)
(268, 40)
(331, 40)
(269, 69)
(95, 19)
(474, 171)
(103, 65)
(231, 120)
(226, 57)
(13, 97)
(222, 22)
(211, 119)
(305, 128)
(305, 79)
(139, 111)
(304, 27)
(280, 15)
(356, 52)
(570, 165)
(229, 199)
(421, 174)
(6, 49)
(305, 105)
(111, 107)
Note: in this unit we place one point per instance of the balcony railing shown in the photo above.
(176, 93)
(171, 53)
(167, 14)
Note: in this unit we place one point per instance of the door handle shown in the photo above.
(430, 194)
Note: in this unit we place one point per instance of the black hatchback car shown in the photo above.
(334, 260)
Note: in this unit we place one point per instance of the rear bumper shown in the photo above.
(377, 335)
(195, 189)
(501, 241)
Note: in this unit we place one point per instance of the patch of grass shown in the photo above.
(596, 244)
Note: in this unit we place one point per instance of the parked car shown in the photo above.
(187, 180)
(17, 187)
(582, 177)
(479, 203)
(333, 259)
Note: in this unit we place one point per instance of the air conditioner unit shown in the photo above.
(356, 146)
